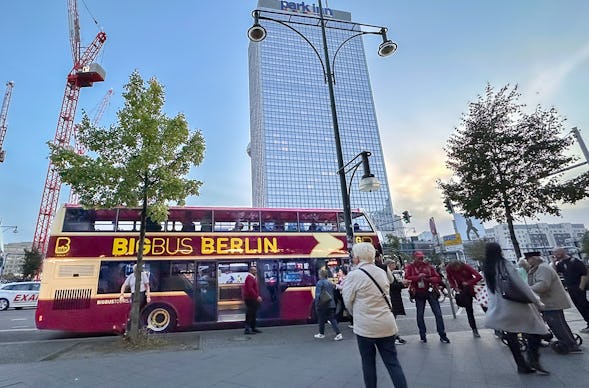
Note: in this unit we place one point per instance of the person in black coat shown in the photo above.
(395, 288)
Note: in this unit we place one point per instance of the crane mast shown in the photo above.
(3, 117)
(79, 147)
(83, 74)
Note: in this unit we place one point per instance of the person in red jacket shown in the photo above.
(252, 299)
(424, 284)
(462, 278)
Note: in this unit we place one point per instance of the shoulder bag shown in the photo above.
(509, 289)
(379, 288)
(324, 298)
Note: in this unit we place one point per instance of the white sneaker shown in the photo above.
(339, 337)
(319, 336)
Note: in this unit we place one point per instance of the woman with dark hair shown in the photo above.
(513, 317)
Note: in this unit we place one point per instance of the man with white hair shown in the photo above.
(365, 293)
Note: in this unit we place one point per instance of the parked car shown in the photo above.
(19, 295)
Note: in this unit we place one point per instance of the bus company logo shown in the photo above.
(62, 246)
(155, 246)
(301, 7)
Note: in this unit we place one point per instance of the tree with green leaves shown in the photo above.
(31, 265)
(508, 164)
(142, 161)
(475, 250)
(392, 247)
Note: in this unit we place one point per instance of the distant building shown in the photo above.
(14, 257)
(540, 237)
(292, 147)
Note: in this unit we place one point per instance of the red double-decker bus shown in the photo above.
(197, 261)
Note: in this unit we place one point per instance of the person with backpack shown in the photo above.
(325, 306)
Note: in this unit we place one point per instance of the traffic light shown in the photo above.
(448, 205)
(406, 217)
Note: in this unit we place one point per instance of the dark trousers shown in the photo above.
(324, 315)
(579, 298)
(533, 347)
(435, 306)
(251, 309)
(142, 304)
(388, 353)
(560, 328)
(469, 310)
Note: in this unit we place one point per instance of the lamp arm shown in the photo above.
(346, 41)
(353, 169)
(302, 36)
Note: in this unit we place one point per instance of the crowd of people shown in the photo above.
(521, 303)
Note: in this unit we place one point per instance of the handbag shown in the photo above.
(380, 289)
(324, 299)
(461, 298)
(508, 288)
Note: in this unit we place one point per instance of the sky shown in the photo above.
(447, 53)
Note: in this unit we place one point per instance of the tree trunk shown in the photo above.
(512, 233)
(135, 316)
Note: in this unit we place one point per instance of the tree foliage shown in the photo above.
(32, 264)
(475, 250)
(141, 161)
(505, 162)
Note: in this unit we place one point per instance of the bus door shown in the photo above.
(270, 290)
(231, 277)
(205, 300)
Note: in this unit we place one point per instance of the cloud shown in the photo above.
(549, 79)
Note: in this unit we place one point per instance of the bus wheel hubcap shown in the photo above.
(158, 319)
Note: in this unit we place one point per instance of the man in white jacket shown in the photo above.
(374, 323)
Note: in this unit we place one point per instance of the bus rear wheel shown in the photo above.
(160, 319)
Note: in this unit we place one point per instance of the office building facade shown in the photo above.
(292, 147)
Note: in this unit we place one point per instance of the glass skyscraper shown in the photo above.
(292, 147)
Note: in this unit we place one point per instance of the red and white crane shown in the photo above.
(79, 147)
(3, 117)
(83, 74)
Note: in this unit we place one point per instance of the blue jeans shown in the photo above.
(435, 306)
(388, 353)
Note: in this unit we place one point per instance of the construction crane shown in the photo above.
(83, 74)
(79, 147)
(3, 116)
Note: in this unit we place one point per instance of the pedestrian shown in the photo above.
(144, 290)
(396, 286)
(513, 317)
(462, 278)
(365, 291)
(325, 309)
(340, 308)
(545, 282)
(252, 300)
(575, 280)
(424, 287)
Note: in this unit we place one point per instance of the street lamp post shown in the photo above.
(257, 33)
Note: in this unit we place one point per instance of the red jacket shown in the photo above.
(463, 274)
(413, 270)
(250, 287)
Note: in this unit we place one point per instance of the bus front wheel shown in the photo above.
(160, 318)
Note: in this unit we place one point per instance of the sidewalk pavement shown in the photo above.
(289, 356)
